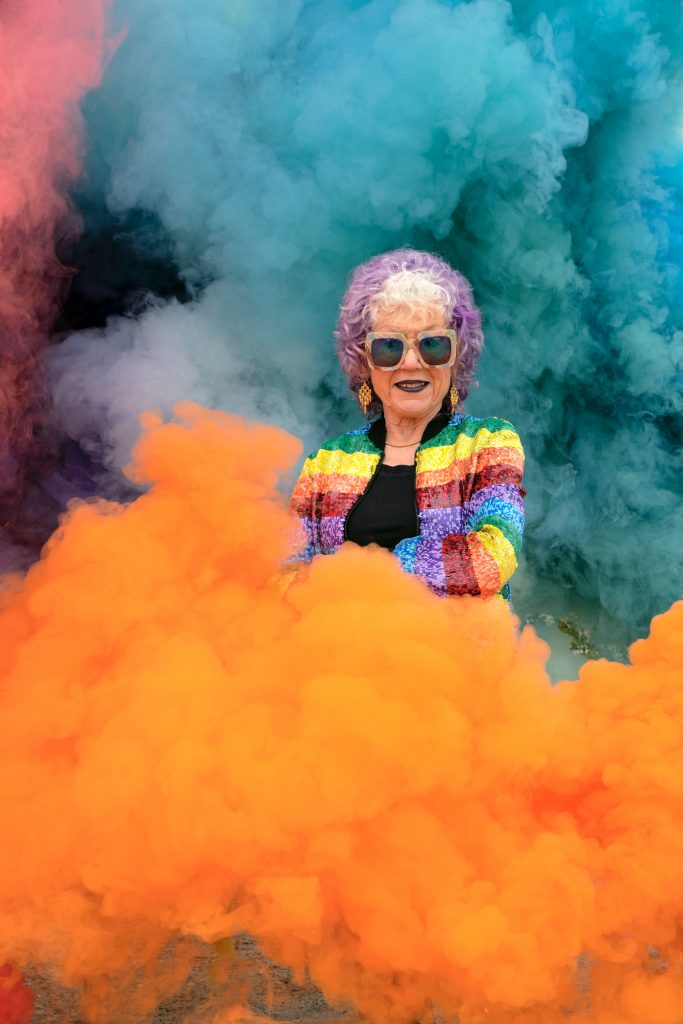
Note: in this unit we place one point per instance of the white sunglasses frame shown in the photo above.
(415, 345)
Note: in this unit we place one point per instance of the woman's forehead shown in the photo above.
(405, 320)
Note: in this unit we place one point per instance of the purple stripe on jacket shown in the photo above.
(506, 492)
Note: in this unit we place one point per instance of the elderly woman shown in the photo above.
(440, 489)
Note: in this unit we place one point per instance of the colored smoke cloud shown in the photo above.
(383, 789)
(51, 52)
(258, 152)
(373, 782)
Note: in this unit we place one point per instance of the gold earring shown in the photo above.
(454, 396)
(365, 396)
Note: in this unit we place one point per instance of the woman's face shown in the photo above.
(412, 391)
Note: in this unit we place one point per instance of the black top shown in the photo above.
(386, 513)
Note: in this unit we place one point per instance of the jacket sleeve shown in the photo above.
(481, 559)
(303, 506)
(302, 547)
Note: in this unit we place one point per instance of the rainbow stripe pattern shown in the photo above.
(469, 494)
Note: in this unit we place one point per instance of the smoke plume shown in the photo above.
(51, 52)
(379, 786)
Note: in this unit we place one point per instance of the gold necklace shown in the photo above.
(411, 444)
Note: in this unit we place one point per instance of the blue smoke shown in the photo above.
(259, 151)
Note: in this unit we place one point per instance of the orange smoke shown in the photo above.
(375, 783)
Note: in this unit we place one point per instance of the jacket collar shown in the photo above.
(377, 433)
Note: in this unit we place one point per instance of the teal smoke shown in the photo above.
(264, 149)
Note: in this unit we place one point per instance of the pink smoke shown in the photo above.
(51, 53)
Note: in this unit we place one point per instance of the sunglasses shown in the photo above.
(387, 351)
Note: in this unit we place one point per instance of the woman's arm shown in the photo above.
(481, 560)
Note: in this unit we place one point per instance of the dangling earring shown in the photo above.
(365, 396)
(454, 397)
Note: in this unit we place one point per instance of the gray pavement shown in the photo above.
(268, 992)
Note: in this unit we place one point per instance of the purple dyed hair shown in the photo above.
(354, 316)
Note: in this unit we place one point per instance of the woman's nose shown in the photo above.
(411, 361)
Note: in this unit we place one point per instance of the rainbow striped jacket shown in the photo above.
(469, 494)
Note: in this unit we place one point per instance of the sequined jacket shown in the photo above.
(469, 495)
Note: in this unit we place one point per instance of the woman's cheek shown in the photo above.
(443, 382)
(380, 384)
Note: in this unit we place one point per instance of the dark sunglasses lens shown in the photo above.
(386, 352)
(436, 349)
